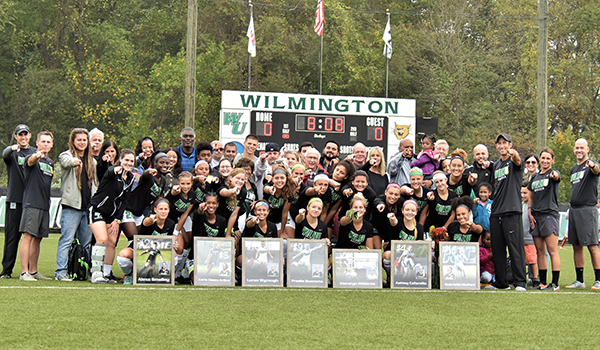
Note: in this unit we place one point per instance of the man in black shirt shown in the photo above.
(482, 167)
(330, 156)
(14, 157)
(506, 223)
(35, 221)
(583, 215)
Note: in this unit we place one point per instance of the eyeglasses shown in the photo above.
(531, 162)
(225, 167)
(218, 149)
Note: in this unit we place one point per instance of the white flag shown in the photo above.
(387, 38)
(251, 38)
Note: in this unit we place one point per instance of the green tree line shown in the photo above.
(120, 65)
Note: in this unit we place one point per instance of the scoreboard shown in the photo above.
(291, 119)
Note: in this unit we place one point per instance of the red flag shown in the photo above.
(320, 18)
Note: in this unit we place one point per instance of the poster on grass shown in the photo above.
(153, 260)
(307, 263)
(410, 264)
(354, 268)
(214, 261)
(459, 265)
(262, 262)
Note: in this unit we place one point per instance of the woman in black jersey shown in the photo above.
(258, 226)
(152, 185)
(544, 217)
(232, 196)
(375, 168)
(206, 223)
(463, 229)
(341, 175)
(247, 165)
(319, 189)
(408, 228)
(144, 151)
(157, 224)
(174, 166)
(279, 193)
(360, 184)
(298, 171)
(355, 230)
(458, 181)
(106, 211)
(308, 222)
(110, 157)
(182, 200)
(438, 211)
(384, 218)
(415, 189)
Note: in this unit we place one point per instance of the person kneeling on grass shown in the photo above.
(157, 224)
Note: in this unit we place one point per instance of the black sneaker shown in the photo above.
(6, 275)
(535, 284)
(112, 278)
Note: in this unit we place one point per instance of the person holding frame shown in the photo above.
(355, 232)
(106, 210)
(158, 224)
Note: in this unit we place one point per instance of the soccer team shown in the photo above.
(207, 189)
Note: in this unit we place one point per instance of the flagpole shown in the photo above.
(249, 62)
(387, 62)
(321, 64)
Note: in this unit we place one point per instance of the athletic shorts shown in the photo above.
(95, 216)
(36, 222)
(545, 225)
(129, 217)
(290, 221)
(530, 254)
(583, 226)
(187, 225)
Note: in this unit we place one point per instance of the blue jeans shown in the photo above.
(73, 223)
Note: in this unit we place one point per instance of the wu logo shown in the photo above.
(234, 119)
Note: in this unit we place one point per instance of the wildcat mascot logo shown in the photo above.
(401, 131)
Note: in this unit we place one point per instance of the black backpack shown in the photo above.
(78, 268)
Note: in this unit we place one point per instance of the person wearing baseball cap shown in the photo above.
(506, 223)
(14, 157)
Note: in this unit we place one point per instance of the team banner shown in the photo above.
(214, 261)
(262, 262)
(354, 268)
(459, 265)
(411, 264)
(307, 263)
(153, 258)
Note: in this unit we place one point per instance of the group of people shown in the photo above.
(210, 190)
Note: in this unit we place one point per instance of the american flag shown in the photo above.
(320, 18)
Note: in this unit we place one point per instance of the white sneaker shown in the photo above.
(97, 277)
(39, 276)
(27, 277)
(491, 286)
(520, 289)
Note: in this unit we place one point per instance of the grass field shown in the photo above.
(81, 315)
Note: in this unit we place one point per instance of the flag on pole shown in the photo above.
(387, 38)
(251, 38)
(320, 18)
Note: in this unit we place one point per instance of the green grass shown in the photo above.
(82, 315)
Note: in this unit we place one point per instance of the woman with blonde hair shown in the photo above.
(375, 168)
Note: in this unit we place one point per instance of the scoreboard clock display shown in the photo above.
(292, 129)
